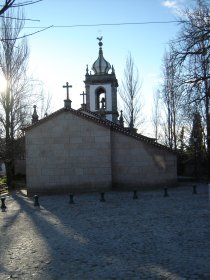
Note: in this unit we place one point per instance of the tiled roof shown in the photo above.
(88, 115)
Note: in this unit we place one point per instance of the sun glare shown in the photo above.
(3, 84)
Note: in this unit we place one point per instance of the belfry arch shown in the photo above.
(100, 96)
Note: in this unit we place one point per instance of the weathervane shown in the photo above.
(100, 39)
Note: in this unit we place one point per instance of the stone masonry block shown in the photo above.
(60, 140)
(101, 133)
(102, 139)
(88, 139)
(74, 139)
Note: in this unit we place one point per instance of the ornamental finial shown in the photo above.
(100, 39)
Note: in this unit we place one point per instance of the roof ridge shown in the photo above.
(106, 123)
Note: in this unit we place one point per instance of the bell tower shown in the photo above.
(101, 87)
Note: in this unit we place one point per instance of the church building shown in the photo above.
(89, 149)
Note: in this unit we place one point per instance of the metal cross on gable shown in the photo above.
(67, 86)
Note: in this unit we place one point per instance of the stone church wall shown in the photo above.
(68, 153)
(140, 165)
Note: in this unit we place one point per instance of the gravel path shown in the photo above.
(152, 237)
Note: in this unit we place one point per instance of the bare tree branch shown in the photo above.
(11, 4)
(131, 95)
(8, 4)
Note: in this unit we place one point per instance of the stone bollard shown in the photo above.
(194, 189)
(36, 200)
(3, 206)
(71, 198)
(135, 196)
(102, 197)
(166, 192)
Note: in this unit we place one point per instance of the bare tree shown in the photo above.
(131, 95)
(44, 103)
(156, 114)
(172, 99)
(15, 100)
(191, 52)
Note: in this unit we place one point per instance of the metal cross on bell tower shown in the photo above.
(83, 97)
(67, 101)
(83, 105)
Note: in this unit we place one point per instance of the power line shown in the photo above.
(26, 3)
(111, 24)
(24, 36)
(43, 28)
